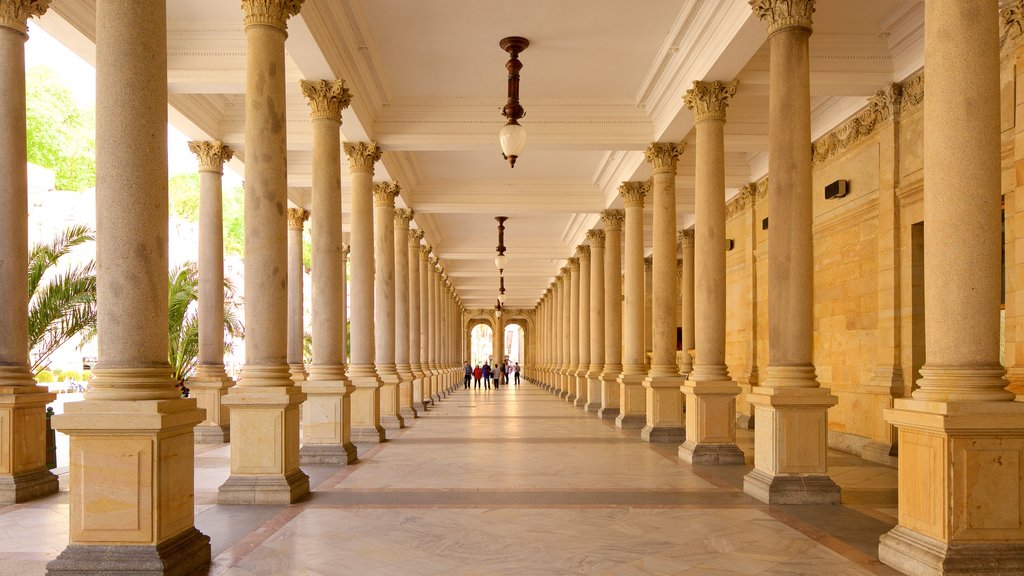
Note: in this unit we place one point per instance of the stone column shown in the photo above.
(23, 473)
(566, 329)
(574, 329)
(425, 305)
(556, 331)
(613, 221)
(345, 251)
(296, 221)
(443, 325)
(384, 194)
(432, 287)
(790, 408)
(686, 298)
(583, 311)
(265, 403)
(366, 412)
(415, 356)
(327, 412)
(131, 499)
(597, 313)
(961, 439)
(211, 383)
(664, 399)
(710, 392)
(648, 309)
(632, 396)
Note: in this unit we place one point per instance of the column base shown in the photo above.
(609, 394)
(208, 387)
(664, 409)
(796, 489)
(366, 427)
(879, 452)
(298, 373)
(183, 555)
(913, 553)
(212, 434)
(608, 414)
(268, 489)
(632, 401)
(333, 454)
(408, 413)
(593, 403)
(710, 454)
(392, 421)
(27, 486)
(630, 421)
(582, 389)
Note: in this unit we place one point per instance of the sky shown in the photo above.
(78, 75)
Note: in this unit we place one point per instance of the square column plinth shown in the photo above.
(209, 387)
(609, 398)
(23, 472)
(664, 409)
(366, 425)
(264, 446)
(390, 415)
(593, 392)
(961, 481)
(326, 422)
(791, 446)
(131, 499)
(710, 423)
(632, 401)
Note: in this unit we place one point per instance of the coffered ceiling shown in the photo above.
(601, 80)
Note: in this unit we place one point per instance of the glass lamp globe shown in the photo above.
(501, 298)
(500, 260)
(513, 138)
(497, 312)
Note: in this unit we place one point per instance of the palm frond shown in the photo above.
(43, 257)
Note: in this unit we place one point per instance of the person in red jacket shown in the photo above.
(477, 375)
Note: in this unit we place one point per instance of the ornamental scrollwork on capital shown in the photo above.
(296, 218)
(402, 218)
(633, 193)
(613, 219)
(782, 14)
(212, 154)
(415, 235)
(596, 238)
(327, 98)
(14, 14)
(362, 155)
(384, 193)
(273, 13)
(583, 252)
(685, 239)
(708, 100)
(664, 155)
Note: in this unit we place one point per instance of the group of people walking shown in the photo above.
(505, 374)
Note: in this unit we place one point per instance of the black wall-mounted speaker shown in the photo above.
(837, 189)
(764, 224)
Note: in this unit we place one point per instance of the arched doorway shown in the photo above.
(481, 344)
(515, 343)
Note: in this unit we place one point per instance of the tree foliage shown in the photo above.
(61, 136)
(183, 190)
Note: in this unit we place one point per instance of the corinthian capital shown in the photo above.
(14, 14)
(583, 252)
(273, 13)
(596, 238)
(425, 251)
(574, 264)
(685, 239)
(633, 193)
(415, 235)
(402, 218)
(362, 155)
(648, 263)
(781, 14)
(613, 219)
(326, 98)
(212, 155)
(708, 100)
(664, 155)
(384, 193)
(296, 218)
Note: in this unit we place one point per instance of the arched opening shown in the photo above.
(515, 343)
(481, 345)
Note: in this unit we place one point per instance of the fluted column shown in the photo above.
(413, 238)
(664, 398)
(648, 310)
(583, 311)
(686, 299)
(961, 437)
(211, 383)
(609, 402)
(596, 310)
(296, 221)
(791, 421)
(424, 262)
(327, 412)
(632, 396)
(362, 370)
(384, 194)
(710, 392)
(131, 498)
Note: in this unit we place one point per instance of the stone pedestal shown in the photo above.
(710, 425)
(23, 472)
(664, 408)
(208, 387)
(326, 418)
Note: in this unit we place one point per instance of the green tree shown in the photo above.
(65, 305)
(183, 321)
(234, 220)
(61, 136)
(183, 190)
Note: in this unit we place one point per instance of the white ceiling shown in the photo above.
(601, 80)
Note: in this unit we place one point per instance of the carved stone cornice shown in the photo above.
(274, 13)
(1011, 23)
(596, 238)
(402, 218)
(384, 193)
(296, 218)
(326, 98)
(415, 235)
(663, 156)
(911, 94)
(708, 100)
(633, 193)
(212, 154)
(782, 14)
(14, 14)
(741, 201)
(613, 219)
(583, 252)
(362, 155)
(881, 108)
(684, 239)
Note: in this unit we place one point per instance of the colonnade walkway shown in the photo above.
(513, 481)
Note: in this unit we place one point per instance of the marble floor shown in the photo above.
(514, 481)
